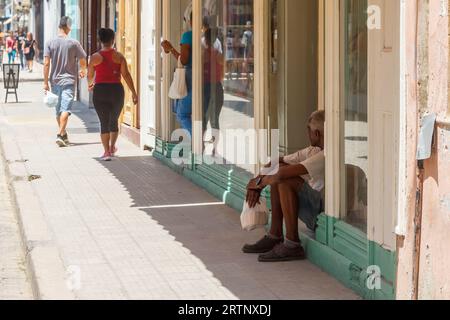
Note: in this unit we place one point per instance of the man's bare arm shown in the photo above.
(83, 67)
(285, 173)
(47, 62)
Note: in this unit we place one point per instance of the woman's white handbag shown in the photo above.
(178, 89)
(50, 99)
(254, 218)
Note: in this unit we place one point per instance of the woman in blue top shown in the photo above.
(183, 107)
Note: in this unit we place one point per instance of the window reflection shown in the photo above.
(228, 75)
(355, 110)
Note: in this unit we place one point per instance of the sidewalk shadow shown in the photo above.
(89, 118)
(212, 233)
(84, 144)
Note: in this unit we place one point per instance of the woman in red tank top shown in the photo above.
(105, 72)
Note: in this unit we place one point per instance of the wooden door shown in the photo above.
(129, 46)
(384, 114)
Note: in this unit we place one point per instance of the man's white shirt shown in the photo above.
(313, 159)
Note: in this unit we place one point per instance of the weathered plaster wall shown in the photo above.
(428, 91)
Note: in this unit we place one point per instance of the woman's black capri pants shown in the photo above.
(108, 101)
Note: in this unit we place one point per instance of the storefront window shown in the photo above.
(355, 111)
(228, 81)
(71, 8)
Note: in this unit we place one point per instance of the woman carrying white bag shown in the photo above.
(182, 92)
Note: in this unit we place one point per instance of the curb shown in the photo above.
(45, 268)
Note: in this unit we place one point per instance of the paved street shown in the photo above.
(128, 229)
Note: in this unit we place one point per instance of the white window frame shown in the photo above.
(378, 222)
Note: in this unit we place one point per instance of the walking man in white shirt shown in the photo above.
(297, 192)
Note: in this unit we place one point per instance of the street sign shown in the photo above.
(11, 74)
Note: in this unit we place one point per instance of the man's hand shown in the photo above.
(252, 198)
(253, 193)
(82, 73)
(46, 87)
(252, 185)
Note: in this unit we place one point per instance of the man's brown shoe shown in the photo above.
(282, 253)
(262, 246)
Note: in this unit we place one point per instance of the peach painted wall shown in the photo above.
(435, 251)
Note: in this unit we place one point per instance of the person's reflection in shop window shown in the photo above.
(213, 95)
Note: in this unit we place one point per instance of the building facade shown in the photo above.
(375, 67)
(356, 60)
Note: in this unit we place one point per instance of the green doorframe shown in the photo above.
(339, 249)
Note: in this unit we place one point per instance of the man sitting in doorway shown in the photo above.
(296, 192)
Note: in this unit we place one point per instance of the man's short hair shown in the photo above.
(65, 22)
(317, 121)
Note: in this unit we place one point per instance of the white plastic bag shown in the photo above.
(178, 89)
(51, 100)
(254, 218)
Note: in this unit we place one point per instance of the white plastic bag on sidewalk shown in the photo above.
(51, 100)
(178, 89)
(254, 218)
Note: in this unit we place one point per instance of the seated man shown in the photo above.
(296, 192)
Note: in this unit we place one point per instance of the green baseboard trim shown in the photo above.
(168, 162)
(345, 270)
(214, 189)
(338, 248)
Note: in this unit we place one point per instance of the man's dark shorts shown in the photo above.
(311, 205)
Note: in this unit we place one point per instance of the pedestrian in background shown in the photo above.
(29, 49)
(183, 107)
(11, 48)
(63, 55)
(105, 71)
(20, 43)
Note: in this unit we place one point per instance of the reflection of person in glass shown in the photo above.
(217, 44)
(213, 93)
(229, 52)
(247, 43)
(183, 107)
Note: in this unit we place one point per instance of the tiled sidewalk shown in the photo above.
(14, 283)
(132, 228)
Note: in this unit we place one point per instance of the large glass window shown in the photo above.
(355, 111)
(228, 77)
(72, 9)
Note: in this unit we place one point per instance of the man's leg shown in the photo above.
(66, 98)
(276, 229)
(289, 203)
(291, 249)
(275, 236)
(63, 121)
